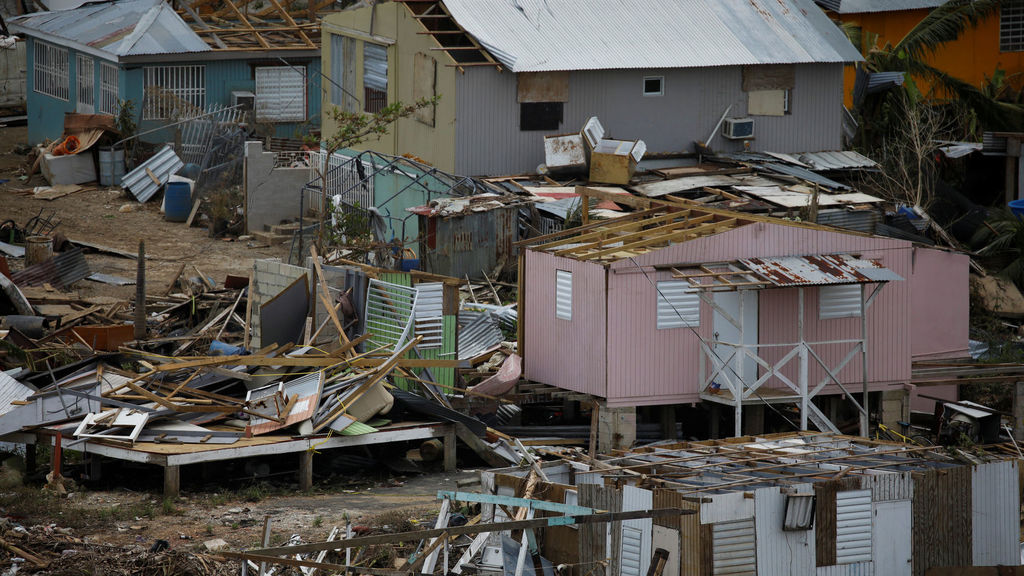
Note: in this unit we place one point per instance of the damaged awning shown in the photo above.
(785, 271)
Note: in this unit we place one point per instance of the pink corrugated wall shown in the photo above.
(569, 354)
(940, 316)
(650, 366)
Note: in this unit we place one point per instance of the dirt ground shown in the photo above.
(96, 216)
(122, 516)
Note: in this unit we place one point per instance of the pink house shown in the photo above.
(671, 305)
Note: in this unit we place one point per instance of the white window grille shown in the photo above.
(108, 88)
(678, 305)
(86, 85)
(1011, 26)
(563, 294)
(281, 93)
(375, 77)
(841, 301)
(50, 71)
(173, 90)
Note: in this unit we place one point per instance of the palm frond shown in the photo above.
(943, 24)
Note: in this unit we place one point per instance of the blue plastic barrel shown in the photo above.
(1017, 208)
(177, 201)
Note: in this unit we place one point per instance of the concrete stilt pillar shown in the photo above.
(306, 470)
(172, 481)
(895, 407)
(616, 427)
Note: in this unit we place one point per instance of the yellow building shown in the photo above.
(997, 41)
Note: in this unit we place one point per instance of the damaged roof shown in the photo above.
(864, 6)
(551, 35)
(113, 29)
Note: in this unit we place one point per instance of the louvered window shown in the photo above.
(853, 526)
(678, 305)
(50, 70)
(281, 94)
(563, 294)
(632, 541)
(1011, 26)
(375, 77)
(734, 548)
(429, 314)
(842, 301)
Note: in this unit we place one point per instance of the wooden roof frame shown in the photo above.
(229, 25)
(450, 36)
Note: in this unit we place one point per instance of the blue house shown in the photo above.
(91, 58)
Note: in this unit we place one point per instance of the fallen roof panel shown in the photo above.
(821, 270)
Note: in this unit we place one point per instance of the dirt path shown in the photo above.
(96, 216)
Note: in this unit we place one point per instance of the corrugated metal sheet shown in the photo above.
(859, 220)
(735, 550)
(889, 486)
(820, 270)
(995, 506)
(11, 390)
(478, 336)
(862, 6)
(803, 174)
(111, 29)
(544, 35)
(994, 145)
(62, 271)
(162, 164)
(488, 139)
(780, 551)
(827, 160)
(858, 569)
(429, 314)
(853, 526)
(472, 244)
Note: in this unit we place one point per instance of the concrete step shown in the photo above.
(284, 228)
(270, 238)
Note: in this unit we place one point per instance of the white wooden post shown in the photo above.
(864, 361)
(803, 361)
(741, 361)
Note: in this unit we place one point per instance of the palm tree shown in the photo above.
(910, 55)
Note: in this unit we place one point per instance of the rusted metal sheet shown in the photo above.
(471, 244)
(63, 270)
(943, 531)
(595, 538)
(820, 270)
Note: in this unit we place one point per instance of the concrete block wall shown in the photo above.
(269, 278)
(271, 194)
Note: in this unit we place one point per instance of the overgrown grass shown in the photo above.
(32, 505)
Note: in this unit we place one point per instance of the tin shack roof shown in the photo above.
(113, 29)
(550, 35)
(864, 6)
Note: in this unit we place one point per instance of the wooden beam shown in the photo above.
(676, 236)
(664, 228)
(245, 21)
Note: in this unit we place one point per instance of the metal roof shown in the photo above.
(113, 29)
(819, 270)
(548, 35)
(863, 6)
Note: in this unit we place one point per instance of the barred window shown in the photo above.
(1011, 26)
(50, 71)
(174, 91)
(86, 85)
(108, 89)
(375, 77)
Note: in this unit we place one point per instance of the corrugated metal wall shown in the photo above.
(858, 569)
(12, 75)
(943, 529)
(995, 510)
(726, 508)
(780, 551)
(895, 486)
(651, 366)
(569, 354)
(472, 245)
(488, 139)
(938, 329)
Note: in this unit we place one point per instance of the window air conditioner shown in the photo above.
(246, 99)
(738, 128)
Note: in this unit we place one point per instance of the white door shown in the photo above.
(891, 535)
(725, 331)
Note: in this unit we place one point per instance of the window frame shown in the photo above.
(372, 105)
(85, 84)
(280, 117)
(51, 78)
(192, 88)
(1011, 34)
(661, 86)
(108, 90)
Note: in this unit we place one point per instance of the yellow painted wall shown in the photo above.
(971, 57)
(393, 24)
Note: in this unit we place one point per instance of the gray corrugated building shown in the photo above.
(509, 72)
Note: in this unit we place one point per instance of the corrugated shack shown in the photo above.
(800, 504)
(472, 236)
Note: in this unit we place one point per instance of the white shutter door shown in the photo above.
(734, 547)
(281, 94)
(563, 294)
(839, 301)
(632, 540)
(678, 305)
(853, 526)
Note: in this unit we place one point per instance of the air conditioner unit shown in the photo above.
(738, 128)
(246, 99)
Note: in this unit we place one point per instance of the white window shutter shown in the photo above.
(429, 314)
(841, 301)
(281, 94)
(563, 294)
(678, 305)
(853, 526)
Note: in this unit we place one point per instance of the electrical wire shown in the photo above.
(689, 326)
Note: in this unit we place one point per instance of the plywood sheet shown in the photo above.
(543, 86)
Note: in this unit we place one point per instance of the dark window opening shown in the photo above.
(654, 85)
(540, 115)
